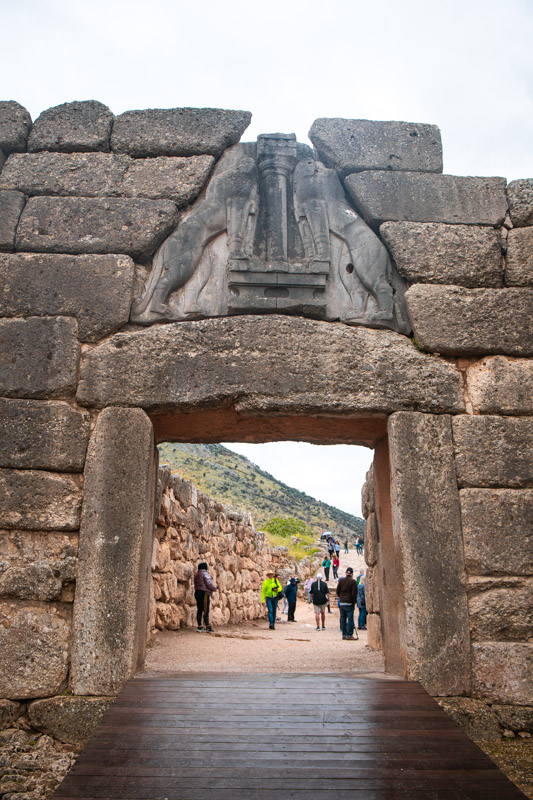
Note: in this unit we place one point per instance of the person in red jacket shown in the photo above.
(203, 589)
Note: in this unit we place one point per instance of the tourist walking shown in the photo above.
(319, 593)
(331, 546)
(359, 545)
(307, 587)
(336, 563)
(291, 593)
(326, 563)
(337, 549)
(361, 604)
(203, 589)
(347, 593)
(270, 592)
(346, 546)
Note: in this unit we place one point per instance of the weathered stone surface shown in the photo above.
(368, 499)
(493, 451)
(177, 179)
(96, 289)
(37, 500)
(37, 435)
(82, 126)
(435, 635)
(352, 145)
(499, 385)
(395, 196)
(38, 357)
(515, 718)
(371, 543)
(474, 716)
(11, 205)
(2, 160)
(431, 252)
(267, 364)
(502, 614)
(178, 131)
(519, 262)
(498, 531)
(503, 672)
(520, 194)
(84, 225)
(15, 125)
(372, 591)
(456, 321)
(34, 648)
(374, 636)
(9, 711)
(70, 719)
(70, 174)
(34, 566)
(116, 534)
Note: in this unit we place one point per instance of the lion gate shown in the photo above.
(160, 282)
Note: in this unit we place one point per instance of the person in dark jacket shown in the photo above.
(361, 604)
(347, 594)
(319, 593)
(203, 589)
(291, 593)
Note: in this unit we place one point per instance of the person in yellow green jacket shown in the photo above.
(269, 593)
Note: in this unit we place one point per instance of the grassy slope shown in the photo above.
(236, 481)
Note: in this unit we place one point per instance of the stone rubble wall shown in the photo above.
(192, 527)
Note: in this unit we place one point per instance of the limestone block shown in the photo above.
(116, 537)
(515, 718)
(368, 500)
(371, 541)
(38, 357)
(178, 131)
(432, 252)
(418, 197)
(85, 225)
(162, 563)
(503, 672)
(72, 720)
(271, 364)
(39, 435)
(96, 289)
(502, 614)
(519, 261)
(186, 493)
(38, 500)
(169, 616)
(169, 587)
(70, 174)
(9, 712)
(493, 451)
(34, 566)
(427, 526)
(374, 637)
(456, 321)
(11, 205)
(520, 194)
(500, 385)
(372, 591)
(34, 648)
(2, 160)
(15, 125)
(477, 719)
(72, 127)
(177, 179)
(352, 145)
(498, 531)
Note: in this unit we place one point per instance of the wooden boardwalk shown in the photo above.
(301, 736)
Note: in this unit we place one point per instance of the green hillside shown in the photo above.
(234, 480)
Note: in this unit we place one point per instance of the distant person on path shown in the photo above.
(331, 546)
(291, 593)
(359, 545)
(347, 593)
(337, 549)
(203, 589)
(319, 593)
(361, 604)
(270, 590)
(285, 605)
(326, 563)
(346, 546)
(336, 563)
(307, 587)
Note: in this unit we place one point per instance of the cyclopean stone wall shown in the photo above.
(192, 527)
(85, 201)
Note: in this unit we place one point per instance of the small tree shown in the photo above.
(287, 527)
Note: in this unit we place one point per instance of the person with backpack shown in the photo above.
(347, 594)
(319, 593)
(291, 593)
(203, 589)
(271, 591)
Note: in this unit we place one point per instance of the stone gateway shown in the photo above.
(160, 281)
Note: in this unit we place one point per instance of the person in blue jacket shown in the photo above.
(361, 604)
(291, 593)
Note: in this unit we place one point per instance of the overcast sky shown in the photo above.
(464, 65)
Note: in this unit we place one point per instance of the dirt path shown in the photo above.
(251, 647)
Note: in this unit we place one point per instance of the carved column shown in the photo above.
(276, 155)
